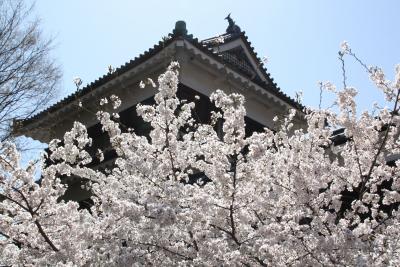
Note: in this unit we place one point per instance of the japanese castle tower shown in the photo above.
(227, 62)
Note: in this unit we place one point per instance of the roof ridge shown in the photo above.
(179, 32)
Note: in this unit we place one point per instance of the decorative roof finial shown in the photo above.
(180, 28)
(232, 28)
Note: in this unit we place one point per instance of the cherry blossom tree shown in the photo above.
(290, 197)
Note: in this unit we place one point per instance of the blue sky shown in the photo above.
(300, 38)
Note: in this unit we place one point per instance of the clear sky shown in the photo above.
(300, 38)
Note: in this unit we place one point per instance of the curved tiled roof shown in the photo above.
(100, 81)
(177, 34)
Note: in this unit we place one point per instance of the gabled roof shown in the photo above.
(221, 40)
(179, 33)
(269, 85)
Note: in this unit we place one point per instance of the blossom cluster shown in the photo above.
(190, 194)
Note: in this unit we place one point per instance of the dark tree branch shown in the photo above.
(28, 76)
